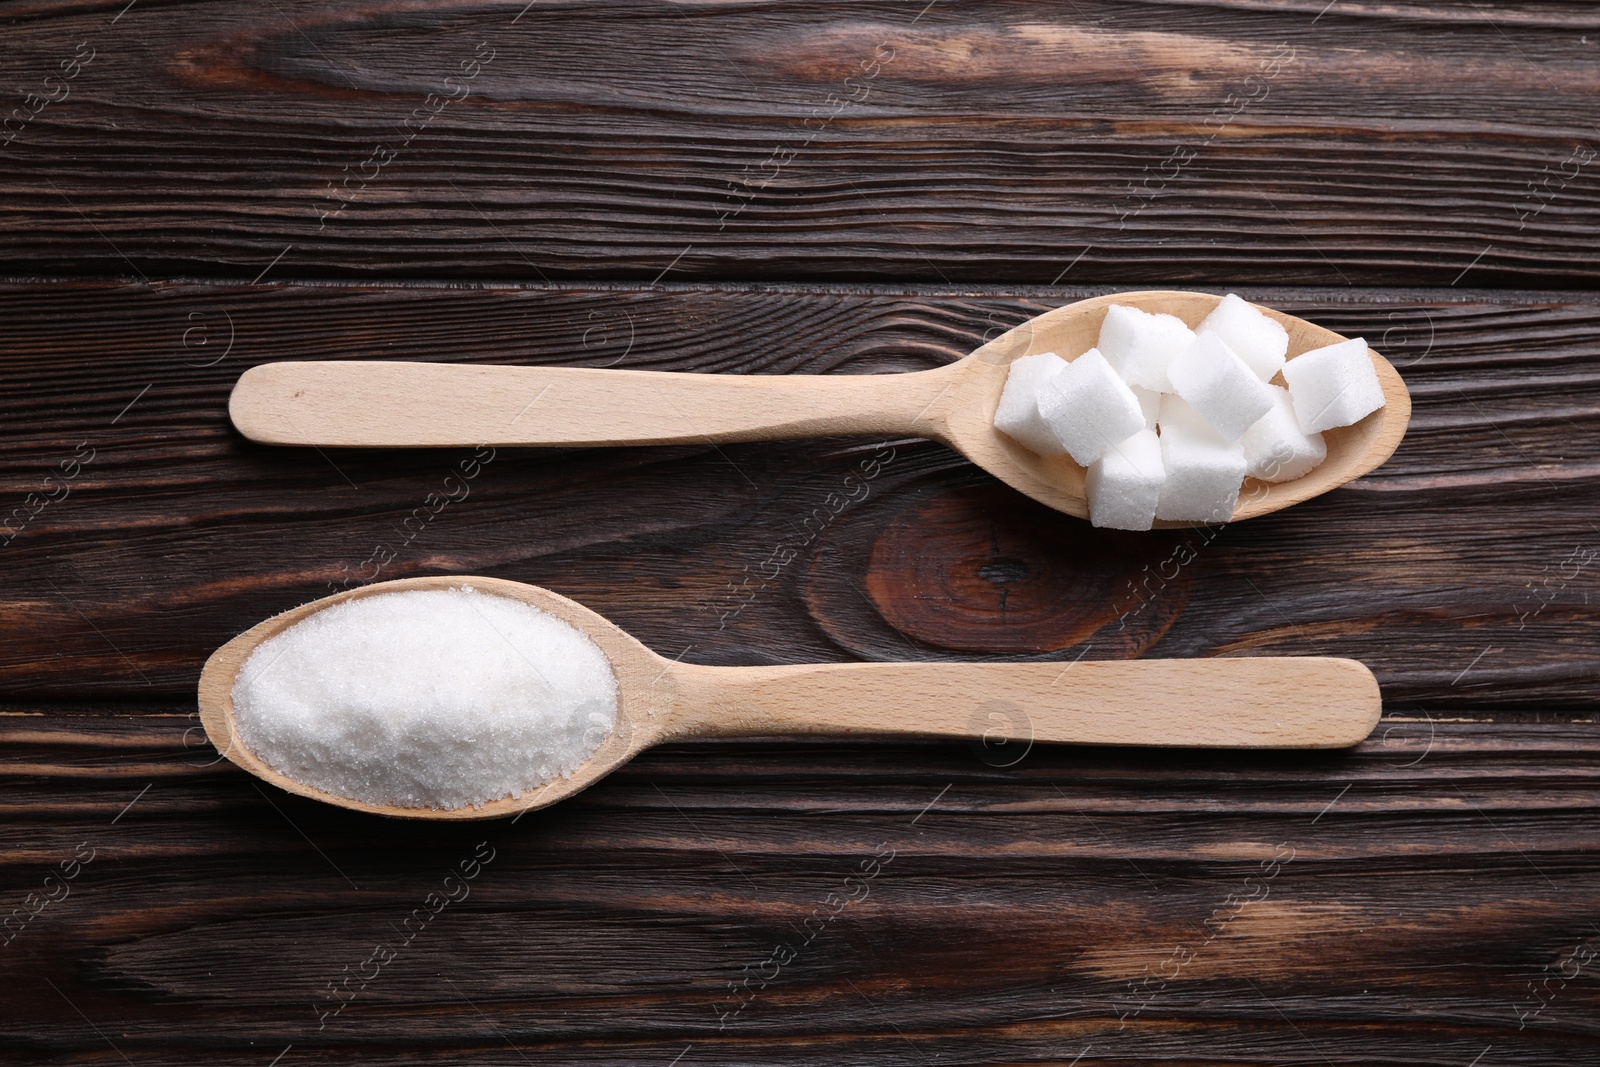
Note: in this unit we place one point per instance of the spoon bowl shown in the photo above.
(968, 415)
(645, 696)
(366, 404)
(1281, 702)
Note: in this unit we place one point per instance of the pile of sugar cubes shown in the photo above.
(1170, 421)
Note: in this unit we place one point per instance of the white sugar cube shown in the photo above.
(1140, 346)
(1256, 338)
(1089, 408)
(1217, 383)
(1203, 472)
(1176, 414)
(1333, 386)
(1018, 414)
(1149, 403)
(1275, 448)
(1125, 483)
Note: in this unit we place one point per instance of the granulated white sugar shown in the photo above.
(426, 698)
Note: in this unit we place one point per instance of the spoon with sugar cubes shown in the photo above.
(1132, 410)
(472, 698)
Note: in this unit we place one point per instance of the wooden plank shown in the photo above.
(1461, 571)
(1265, 142)
(1425, 897)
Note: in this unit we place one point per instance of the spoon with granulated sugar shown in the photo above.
(471, 698)
(365, 404)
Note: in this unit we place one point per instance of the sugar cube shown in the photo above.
(1149, 403)
(1018, 414)
(1125, 483)
(1275, 448)
(1089, 408)
(1333, 386)
(1256, 338)
(1203, 471)
(1176, 413)
(1218, 384)
(1141, 345)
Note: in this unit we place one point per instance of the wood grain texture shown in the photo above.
(1430, 894)
(1267, 142)
(1461, 571)
(1428, 900)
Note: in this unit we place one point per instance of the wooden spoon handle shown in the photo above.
(359, 404)
(1285, 702)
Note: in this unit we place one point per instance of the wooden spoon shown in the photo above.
(1287, 702)
(363, 404)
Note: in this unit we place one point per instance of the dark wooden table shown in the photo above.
(188, 189)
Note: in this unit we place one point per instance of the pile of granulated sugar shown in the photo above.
(428, 698)
(1168, 422)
